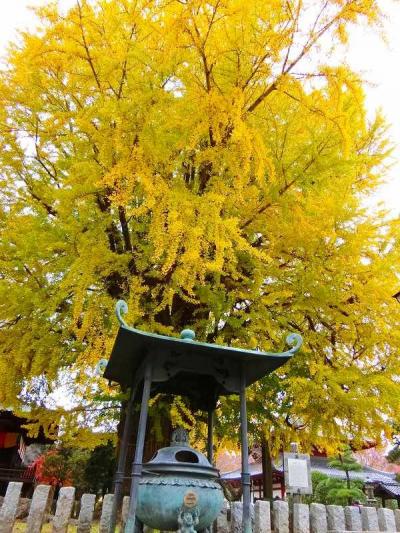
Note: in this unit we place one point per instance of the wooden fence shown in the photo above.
(26, 475)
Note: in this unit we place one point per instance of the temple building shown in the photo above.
(384, 483)
(18, 451)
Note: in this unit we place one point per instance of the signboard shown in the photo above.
(297, 470)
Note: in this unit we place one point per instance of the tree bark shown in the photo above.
(266, 470)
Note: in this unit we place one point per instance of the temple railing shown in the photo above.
(26, 475)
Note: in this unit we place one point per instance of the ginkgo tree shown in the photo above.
(208, 162)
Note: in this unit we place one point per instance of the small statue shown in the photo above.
(188, 520)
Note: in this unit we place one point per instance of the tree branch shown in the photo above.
(125, 64)
(86, 47)
(269, 204)
(125, 229)
(287, 69)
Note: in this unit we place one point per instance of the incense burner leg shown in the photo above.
(246, 520)
(138, 460)
(122, 457)
(210, 436)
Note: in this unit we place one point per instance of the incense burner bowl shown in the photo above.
(179, 486)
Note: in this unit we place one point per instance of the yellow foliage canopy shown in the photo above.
(184, 156)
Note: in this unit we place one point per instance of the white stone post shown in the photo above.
(236, 517)
(65, 502)
(397, 519)
(262, 517)
(369, 519)
(318, 521)
(106, 513)
(222, 519)
(124, 511)
(386, 520)
(335, 517)
(38, 509)
(281, 516)
(9, 508)
(301, 518)
(85, 518)
(352, 516)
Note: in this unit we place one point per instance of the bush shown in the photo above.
(333, 491)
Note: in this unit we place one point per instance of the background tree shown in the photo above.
(87, 470)
(334, 491)
(375, 458)
(208, 162)
(61, 466)
(393, 455)
(100, 469)
(346, 462)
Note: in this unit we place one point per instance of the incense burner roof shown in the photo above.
(184, 366)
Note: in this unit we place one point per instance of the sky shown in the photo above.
(377, 61)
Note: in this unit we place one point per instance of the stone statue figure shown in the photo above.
(188, 520)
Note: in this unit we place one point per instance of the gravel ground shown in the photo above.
(20, 527)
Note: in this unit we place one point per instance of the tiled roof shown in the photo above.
(320, 464)
(254, 468)
(393, 489)
(386, 480)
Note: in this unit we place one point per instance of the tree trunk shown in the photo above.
(349, 499)
(266, 470)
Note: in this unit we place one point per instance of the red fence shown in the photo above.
(27, 475)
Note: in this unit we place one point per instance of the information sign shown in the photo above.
(297, 473)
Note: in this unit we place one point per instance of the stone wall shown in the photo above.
(266, 518)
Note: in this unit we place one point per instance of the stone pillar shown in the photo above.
(396, 513)
(397, 519)
(386, 520)
(236, 517)
(318, 521)
(124, 511)
(281, 516)
(10, 506)
(65, 502)
(106, 513)
(369, 519)
(301, 518)
(335, 517)
(38, 509)
(222, 519)
(353, 518)
(262, 517)
(85, 518)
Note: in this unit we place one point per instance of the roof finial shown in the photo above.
(180, 437)
(188, 335)
(121, 308)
